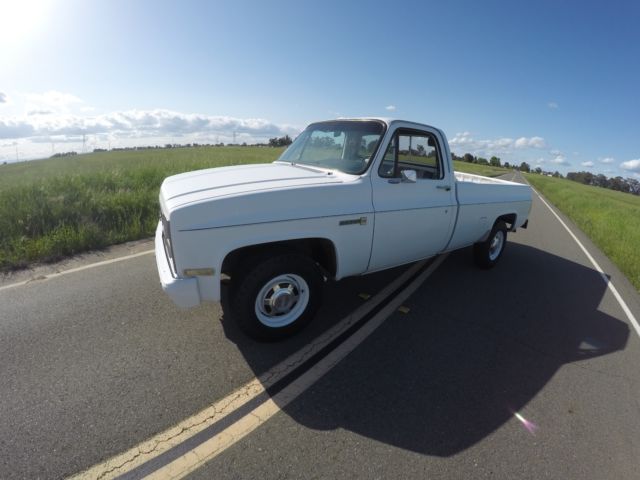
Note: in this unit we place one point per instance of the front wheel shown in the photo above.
(277, 297)
(487, 253)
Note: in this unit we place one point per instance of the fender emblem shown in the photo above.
(356, 221)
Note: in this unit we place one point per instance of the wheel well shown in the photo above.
(510, 220)
(319, 249)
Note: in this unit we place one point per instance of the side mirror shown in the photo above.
(409, 176)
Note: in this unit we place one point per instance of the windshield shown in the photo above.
(347, 146)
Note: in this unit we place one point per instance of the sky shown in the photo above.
(552, 83)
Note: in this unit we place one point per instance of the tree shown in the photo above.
(618, 184)
(600, 181)
(634, 186)
(524, 167)
(507, 165)
(280, 142)
(482, 161)
(468, 158)
(494, 161)
(538, 170)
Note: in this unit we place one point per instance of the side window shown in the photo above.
(412, 151)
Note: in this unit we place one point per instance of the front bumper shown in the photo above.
(183, 292)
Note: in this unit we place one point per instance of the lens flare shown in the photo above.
(530, 426)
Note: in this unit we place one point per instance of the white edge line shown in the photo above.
(74, 270)
(604, 277)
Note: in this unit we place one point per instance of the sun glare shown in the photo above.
(21, 20)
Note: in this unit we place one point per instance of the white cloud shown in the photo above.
(40, 112)
(53, 101)
(552, 105)
(3, 97)
(631, 165)
(390, 108)
(560, 160)
(607, 160)
(138, 123)
(34, 136)
(588, 164)
(14, 128)
(532, 142)
(464, 142)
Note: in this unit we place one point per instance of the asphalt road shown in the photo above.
(525, 371)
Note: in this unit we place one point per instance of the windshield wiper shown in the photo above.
(312, 169)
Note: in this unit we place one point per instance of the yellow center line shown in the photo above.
(206, 451)
(178, 434)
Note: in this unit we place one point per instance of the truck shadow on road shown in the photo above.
(475, 348)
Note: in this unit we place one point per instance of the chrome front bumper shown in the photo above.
(183, 292)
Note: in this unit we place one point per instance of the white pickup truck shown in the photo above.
(348, 197)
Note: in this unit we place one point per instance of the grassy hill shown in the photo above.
(611, 219)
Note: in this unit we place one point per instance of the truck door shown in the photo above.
(413, 199)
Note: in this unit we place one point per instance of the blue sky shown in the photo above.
(555, 84)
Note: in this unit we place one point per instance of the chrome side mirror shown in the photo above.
(409, 176)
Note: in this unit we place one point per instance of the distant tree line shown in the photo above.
(273, 142)
(493, 161)
(63, 154)
(280, 141)
(627, 185)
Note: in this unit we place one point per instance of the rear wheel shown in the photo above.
(277, 297)
(487, 253)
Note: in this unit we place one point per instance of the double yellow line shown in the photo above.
(170, 453)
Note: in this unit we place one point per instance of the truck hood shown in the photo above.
(249, 194)
(204, 185)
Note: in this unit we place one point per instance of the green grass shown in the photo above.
(53, 208)
(474, 168)
(611, 219)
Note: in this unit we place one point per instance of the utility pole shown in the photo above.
(84, 141)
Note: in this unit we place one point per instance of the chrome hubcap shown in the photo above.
(282, 300)
(496, 245)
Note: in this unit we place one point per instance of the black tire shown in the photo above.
(486, 254)
(277, 315)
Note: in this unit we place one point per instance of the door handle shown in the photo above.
(443, 187)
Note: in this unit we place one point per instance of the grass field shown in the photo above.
(611, 219)
(58, 207)
(485, 170)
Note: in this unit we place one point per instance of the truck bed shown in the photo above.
(470, 178)
(480, 200)
(477, 189)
